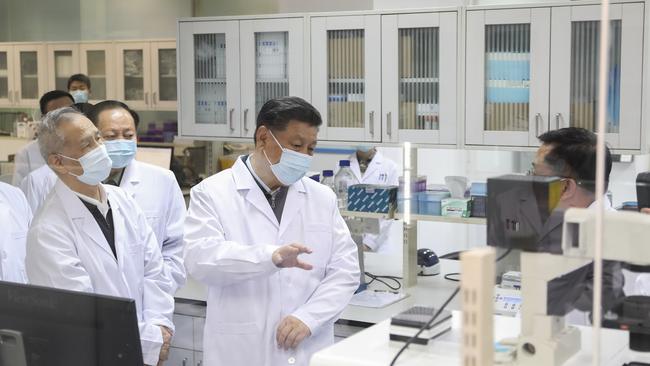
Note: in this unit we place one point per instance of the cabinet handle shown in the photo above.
(246, 119)
(538, 117)
(184, 363)
(372, 122)
(153, 98)
(230, 121)
(557, 120)
(389, 124)
(16, 96)
(200, 363)
(146, 98)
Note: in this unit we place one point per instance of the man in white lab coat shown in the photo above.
(94, 238)
(154, 189)
(15, 217)
(272, 248)
(370, 166)
(29, 157)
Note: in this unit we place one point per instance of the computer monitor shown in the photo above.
(42, 326)
(158, 156)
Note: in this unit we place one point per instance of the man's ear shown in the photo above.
(55, 162)
(570, 188)
(261, 136)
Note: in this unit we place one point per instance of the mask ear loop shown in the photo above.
(277, 142)
(69, 172)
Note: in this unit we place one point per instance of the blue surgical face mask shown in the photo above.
(96, 165)
(80, 96)
(121, 152)
(292, 165)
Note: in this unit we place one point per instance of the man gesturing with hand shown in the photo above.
(272, 248)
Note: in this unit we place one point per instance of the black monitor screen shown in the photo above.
(63, 328)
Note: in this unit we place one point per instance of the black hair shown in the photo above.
(276, 114)
(80, 78)
(83, 107)
(50, 96)
(98, 108)
(573, 154)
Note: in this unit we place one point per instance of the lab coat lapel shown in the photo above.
(293, 205)
(375, 164)
(119, 227)
(131, 179)
(354, 167)
(246, 184)
(81, 216)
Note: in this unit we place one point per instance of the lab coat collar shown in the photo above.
(244, 181)
(375, 164)
(131, 178)
(81, 217)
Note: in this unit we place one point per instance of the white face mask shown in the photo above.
(96, 165)
(292, 165)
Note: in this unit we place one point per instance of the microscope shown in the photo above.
(557, 249)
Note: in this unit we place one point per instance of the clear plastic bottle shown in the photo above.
(343, 179)
(328, 179)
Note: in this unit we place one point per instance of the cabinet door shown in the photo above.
(180, 357)
(346, 76)
(6, 76)
(209, 79)
(163, 75)
(272, 64)
(419, 77)
(62, 62)
(134, 74)
(30, 74)
(507, 76)
(574, 71)
(96, 62)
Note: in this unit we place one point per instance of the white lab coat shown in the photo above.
(15, 218)
(381, 171)
(66, 249)
(27, 160)
(230, 234)
(156, 192)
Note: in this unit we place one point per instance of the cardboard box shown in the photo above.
(372, 198)
(456, 207)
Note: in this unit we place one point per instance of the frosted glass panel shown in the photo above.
(507, 77)
(97, 73)
(29, 75)
(134, 74)
(4, 76)
(585, 38)
(62, 69)
(210, 78)
(167, 74)
(271, 67)
(418, 83)
(345, 72)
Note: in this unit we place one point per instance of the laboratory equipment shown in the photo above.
(643, 190)
(372, 198)
(428, 262)
(344, 178)
(430, 202)
(408, 323)
(478, 195)
(328, 179)
(61, 328)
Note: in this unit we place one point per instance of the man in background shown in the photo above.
(79, 88)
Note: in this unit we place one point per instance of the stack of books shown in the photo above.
(406, 324)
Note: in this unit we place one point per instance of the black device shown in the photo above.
(427, 258)
(43, 326)
(643, 190)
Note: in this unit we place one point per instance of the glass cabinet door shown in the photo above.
(346, 74)
(210, 78)
(6, 76)
(418, 79)
(507, 76)
(574, 81)
(29, 74)
(95, 62)
(133, 68)
(164, 93)
(63, 61)
(272, 66)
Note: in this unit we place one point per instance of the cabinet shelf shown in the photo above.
(343, 81)
(419, 80)
(279, 81)
(212, 80)
(415, 217)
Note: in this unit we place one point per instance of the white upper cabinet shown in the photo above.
(134, 74)
(96, 61)
(346, 76)
(209, 78)
(575, 41)
(507, 76)
(6, 75)
(164, 93)
(419, 78)
(62, 62)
